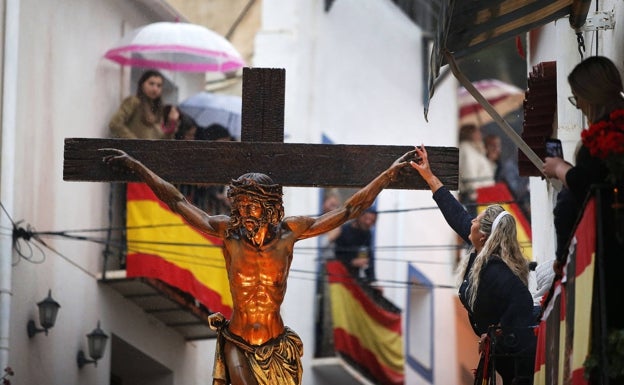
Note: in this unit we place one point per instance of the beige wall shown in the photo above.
(66, 89)
(236, 20)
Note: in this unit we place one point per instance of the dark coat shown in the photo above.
(587, 171)
(502, 299)
(347, 247)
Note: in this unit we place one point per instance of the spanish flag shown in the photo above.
(163, 246)
(499, 193)
(366, 333)
(564, 333)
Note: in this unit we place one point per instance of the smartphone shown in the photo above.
(553, 148)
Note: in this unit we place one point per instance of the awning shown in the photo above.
(458, 28)
(464, 27)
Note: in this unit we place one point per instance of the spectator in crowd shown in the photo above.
(215, 196)
(182, 125)
(327, 241)
(215, 132)
(210, 198)
(493, 280)
(354, 246)
(185, 128)
(140, 116)
(475, 170)
(506, 171)
(597, 91)
(324, 344)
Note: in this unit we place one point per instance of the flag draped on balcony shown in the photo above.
(162, 245)
(563, 339)
(367, 328)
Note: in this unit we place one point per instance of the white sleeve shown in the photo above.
(544, 276)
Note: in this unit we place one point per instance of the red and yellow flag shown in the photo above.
(564, 332)
(162, 245)
(366, 333)
(499, 193)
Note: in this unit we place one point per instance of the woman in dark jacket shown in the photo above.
(597, 91)
(494, 280)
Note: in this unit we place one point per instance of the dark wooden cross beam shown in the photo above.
(262, 149)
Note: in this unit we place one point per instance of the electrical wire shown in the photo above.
(28, 244)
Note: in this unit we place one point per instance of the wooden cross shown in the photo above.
(261, 149)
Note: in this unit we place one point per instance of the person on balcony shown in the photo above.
(140, 116)
(494, 281)
(597, 91)
(254, 346)
(475, 170)
(506, 171)
(354, 247)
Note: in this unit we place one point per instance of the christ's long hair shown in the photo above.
(261, 188)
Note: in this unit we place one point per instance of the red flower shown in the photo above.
(605, 140)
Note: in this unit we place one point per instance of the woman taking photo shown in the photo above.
(493, 282)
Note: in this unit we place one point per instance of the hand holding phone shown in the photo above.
(554, 148)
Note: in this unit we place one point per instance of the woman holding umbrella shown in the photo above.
(140, 115)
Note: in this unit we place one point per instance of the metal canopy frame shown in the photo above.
(465, 27)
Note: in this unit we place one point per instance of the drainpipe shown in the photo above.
(7, 162)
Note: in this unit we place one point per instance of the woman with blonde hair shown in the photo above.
(493, 283)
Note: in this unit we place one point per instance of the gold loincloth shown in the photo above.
(276, 362)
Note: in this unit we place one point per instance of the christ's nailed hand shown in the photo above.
(115, 158)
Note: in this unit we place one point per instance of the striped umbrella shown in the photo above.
(504, 97)
(176, 46)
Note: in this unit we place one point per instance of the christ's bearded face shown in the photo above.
(252, 215)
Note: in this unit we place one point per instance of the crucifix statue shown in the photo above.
(254, 346)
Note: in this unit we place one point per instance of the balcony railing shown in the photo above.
(156, 260)
(578, 335)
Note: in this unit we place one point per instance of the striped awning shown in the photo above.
(464, 27)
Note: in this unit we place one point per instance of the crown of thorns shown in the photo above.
(247, 186)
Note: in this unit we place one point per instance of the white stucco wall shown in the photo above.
(67, 89)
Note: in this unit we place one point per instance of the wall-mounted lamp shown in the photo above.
(97, 344)
(48, 309)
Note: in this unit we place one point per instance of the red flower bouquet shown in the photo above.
(605, 140)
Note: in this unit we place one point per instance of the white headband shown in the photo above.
(498, 218)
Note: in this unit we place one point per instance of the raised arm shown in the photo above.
(166, 192)
(455, 214)
(356, 204)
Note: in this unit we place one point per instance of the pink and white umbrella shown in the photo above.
(504, 97)
(176, 46)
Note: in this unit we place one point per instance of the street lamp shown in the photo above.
(48, 309)
(97, 344)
